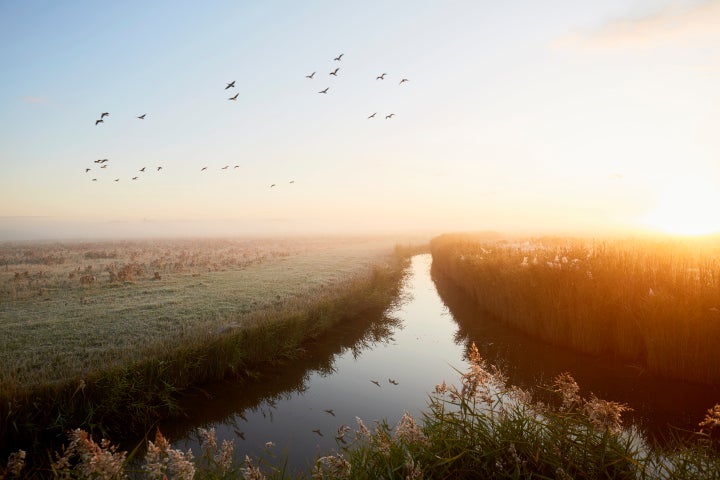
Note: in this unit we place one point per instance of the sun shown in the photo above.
(687, 207)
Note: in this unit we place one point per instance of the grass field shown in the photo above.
(655, 303)
(157, 317)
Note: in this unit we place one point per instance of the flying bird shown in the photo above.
(225, 167)
(271, 186)
(372, 116)
(159, 168)
(135, 178)
(381, 77)
(311, 75)
(339, 57)
(317, 430)
(330, 411)
(230, 85)
(94, 179)
(389, 116)
(142, 117)
(236, 166)
(334, 72)
(142, 169)
(394, 382)
(234, 97)
(375, 382)
(99, 121)
(104, 114)
(324, 91)
(87, 170)
(203, 168)
(117, 179)
(103, 166)
(403, 81)
(292, 181)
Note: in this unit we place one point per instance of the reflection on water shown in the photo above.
(418, 344)
(412, 345)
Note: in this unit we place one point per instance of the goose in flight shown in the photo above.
(203, 168)
(87, 170)
(330, 411)
(372, 116)
(135, 178)
(339, 57)
(403, 81)
(324, 91)
(117, 179)
(381, 77)
(375, 382)
(389, 116)
(142, 169)
(99, 121)
(94, 179)
(234, 97)
(230, 85)
(334, 72)
(311, 75)
(271, 186)
(159, 168)
(104, 114)
(225, 167)
(142, 117)
(292, 181)
(236, 166)
(103, 166)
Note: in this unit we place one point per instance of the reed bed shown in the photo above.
(479, 428)
(118, 365)
(655, 303)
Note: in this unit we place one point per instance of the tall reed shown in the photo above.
(655, 303)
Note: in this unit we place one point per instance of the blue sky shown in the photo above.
(565, 116)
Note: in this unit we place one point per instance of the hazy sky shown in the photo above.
(563, 115)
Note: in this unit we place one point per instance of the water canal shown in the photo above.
(414, 346)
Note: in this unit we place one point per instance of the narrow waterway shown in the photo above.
(407, 351)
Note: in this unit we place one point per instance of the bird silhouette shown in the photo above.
(381, 77)
(389, 116)
(142, 169)
(236, 166)
(317, 430)
(271, 186)
(375, 382)
(94, 179)
(117, 179)
(230, 85)
(394, 382)
(99, 121)
(203, 168)
(135, 178)
(330, 411)
(292, 181)
(234, 97)
(142, 117)
(104, 114)
(334, 72)
(339, 57)
(372, 116)
(87, 170)
(103, 166)
(324, 91)
(403, 81)
(311, 75)
(159, 168)
(225, 167)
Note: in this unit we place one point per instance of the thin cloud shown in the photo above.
(672, 26)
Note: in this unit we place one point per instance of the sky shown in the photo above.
(564, 116)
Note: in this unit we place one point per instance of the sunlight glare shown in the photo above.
(686, 208)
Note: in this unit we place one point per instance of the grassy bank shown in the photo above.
(119, 374)
(479, 428)
(653, 303)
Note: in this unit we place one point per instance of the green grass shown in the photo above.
(480, 427)
(117, 361)
(650, 302)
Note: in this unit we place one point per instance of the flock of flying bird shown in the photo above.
(103, 162)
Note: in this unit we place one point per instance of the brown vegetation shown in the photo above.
(651, 302)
